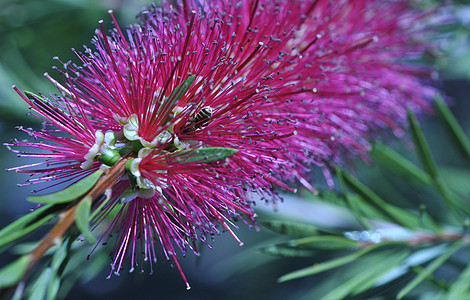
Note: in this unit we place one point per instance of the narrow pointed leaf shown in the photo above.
(291, 228)
(430, 269)
(59, 255)
(430, 166)
(82, 216)
(330, 243)
(351, 202)
(368, 271)
(12, 273)
(398, 215)
(457, 133)
(283, 250)
(26, 224)
(71, 193)
(337, 262)
(175, 96)
(460, 289)
(206, 155)
(399, 165)
(53, 287)
(181, 89)
(422, 146)
(40, 286)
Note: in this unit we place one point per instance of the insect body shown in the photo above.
(201, 119)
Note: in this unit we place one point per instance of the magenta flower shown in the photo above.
(215, 104)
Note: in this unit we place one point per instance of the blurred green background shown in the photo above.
(32, 32)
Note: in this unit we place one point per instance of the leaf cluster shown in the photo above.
(398, 248)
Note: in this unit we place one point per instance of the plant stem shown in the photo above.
(67, 218)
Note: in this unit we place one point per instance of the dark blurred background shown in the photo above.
(32, 32)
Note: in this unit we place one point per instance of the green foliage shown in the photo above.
(371, 259)
(206, 155)
(82, 218)
(12, 273)
(26, 224)
(71, 193)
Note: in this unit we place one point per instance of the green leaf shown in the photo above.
(399, 165)
(59, 256)
(181, 89)
(367, 272)
(398, 215)
(351, 202)
(457, 179)
(58, 260)
(27, 224)
(284, 250)
(39, 288)
(97, 210)
(460, 289)
(430, 269)
(422, 145)
(430, 166)
(53, 287)
(291, 228)
(12, 273)
(71, 193)
(337, 262)
(459, 136)
(82, 216)
(206, 155)
(330, 243)
(175, 96)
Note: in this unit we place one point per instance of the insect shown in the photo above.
(201, 119)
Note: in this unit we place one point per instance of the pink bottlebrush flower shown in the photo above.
(271, 86)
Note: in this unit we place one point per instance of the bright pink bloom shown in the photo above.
(286, 84)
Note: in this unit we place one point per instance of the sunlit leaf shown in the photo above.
(12, 273)
(366, 272)
(82, 216)
(71, 193)
(181, 89)
(206, 155)
(337, 262)
(26, 224)
(324, 242)
(175, 96)
(430, 269)
(39, 288)
(460, 289)
(53, 287)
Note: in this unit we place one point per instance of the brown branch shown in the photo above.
(67, 218)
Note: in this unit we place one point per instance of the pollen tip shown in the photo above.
(110, 11)
(13, 86)
(45, 74)
(100, 22)
(241, 244)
